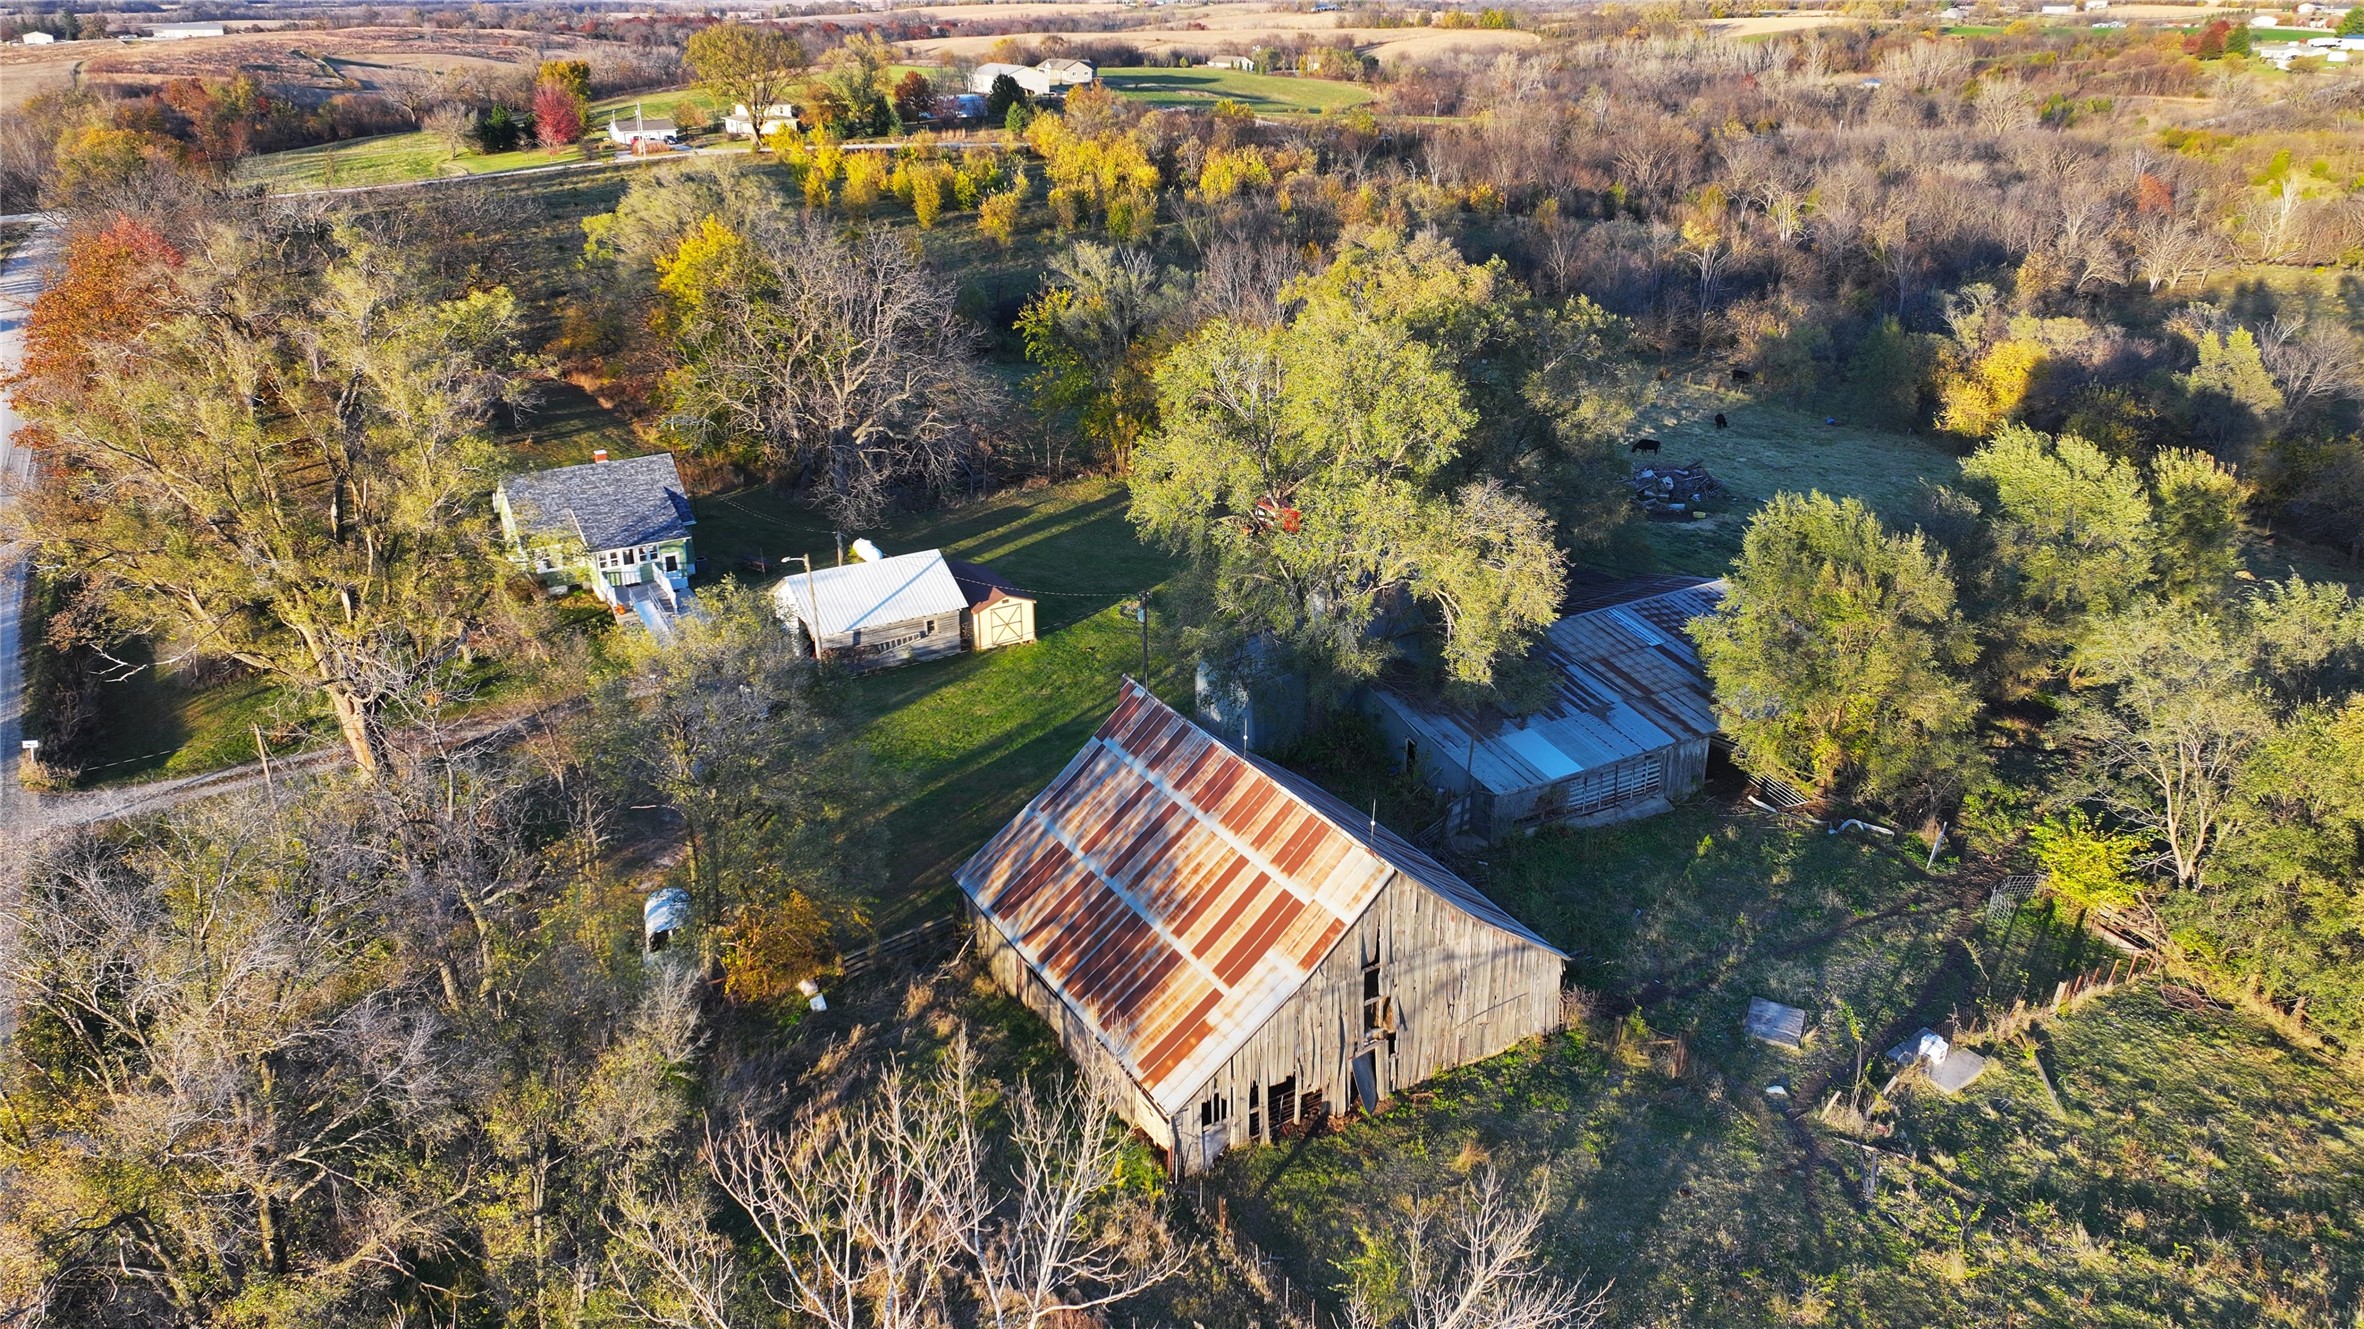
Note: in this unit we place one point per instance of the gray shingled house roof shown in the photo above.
(610, 504)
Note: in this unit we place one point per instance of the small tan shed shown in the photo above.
(998, 613)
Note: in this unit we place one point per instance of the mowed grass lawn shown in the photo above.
(2198, 1169)
(395, 158)
(961, 744)
(1269, 94)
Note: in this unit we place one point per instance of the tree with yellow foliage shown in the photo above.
(1976, 399)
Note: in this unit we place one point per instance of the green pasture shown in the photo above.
(2195, 1170)
(397, 158)
(1269, 94)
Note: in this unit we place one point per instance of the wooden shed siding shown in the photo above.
(1463, 991)
(855, 646)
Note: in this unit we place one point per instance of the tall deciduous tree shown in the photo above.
(2071, 541)
(1097, 335)
(836, 363)
(1835, 654)
(722, 723)
(289, 468)
(1307, 470)
(2171, 716)
(749, 64)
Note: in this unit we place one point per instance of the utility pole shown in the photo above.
(1144, 639)
(812, 625)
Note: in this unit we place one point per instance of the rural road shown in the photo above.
(20, 283)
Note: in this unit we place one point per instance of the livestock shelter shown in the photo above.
(998, 614)
(878, 612)
(1229, 952)
(1627, 730)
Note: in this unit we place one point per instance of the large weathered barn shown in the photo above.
(1229, 950)
(1627, 732)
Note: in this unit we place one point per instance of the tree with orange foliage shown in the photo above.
(110, 288)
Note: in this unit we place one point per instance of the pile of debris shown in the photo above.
(1674, 493)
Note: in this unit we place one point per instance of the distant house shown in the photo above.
(1034, 81)
(37, 38)
(741, 123)
(1243, 63)
(653, 131)
(619, 529)
(1066, 73)
(1231, 952)
(1051, 78)
(172, 32)
(1628, 732)
(2264, 21)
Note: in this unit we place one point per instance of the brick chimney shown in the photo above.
(599, 454)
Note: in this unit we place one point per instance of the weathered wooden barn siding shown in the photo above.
(1092, 1058)
(1461, 990)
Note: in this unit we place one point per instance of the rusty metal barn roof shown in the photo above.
(1629, 682)
(1175, 892)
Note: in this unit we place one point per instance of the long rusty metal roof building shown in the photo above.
(1174, 892)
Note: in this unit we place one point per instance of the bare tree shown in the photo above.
(841, 363)
(2313, 359)
(1469, 1263)
(451, 123)
(882, 1214)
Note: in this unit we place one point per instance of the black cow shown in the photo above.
(1741, 376)
(1721, 422)
(1645, 445)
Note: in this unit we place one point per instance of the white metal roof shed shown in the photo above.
(832, 602)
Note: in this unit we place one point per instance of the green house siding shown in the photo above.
(559, 565)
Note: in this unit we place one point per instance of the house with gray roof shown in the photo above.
(619, 529)
(1626, 732)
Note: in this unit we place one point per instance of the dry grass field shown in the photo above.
(318, 62)
(1229, 28)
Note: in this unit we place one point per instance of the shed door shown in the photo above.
(1366, 1081)
(1004, 625)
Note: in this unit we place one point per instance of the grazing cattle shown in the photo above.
(1645, 445)
(1741, 376)
(1721, 422)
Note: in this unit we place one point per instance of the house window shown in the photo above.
(1255, 1114)
(1214, 1111)
(631, 556)
(931, 630)
(1374, 1005)
(1282, 1101)
(673, 562)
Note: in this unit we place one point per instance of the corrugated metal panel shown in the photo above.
(1630, 682)
(872, 595)
(1175, 892)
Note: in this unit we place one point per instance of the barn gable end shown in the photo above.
(1178, 911)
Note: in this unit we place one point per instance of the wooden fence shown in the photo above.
(929, 940)
(1293, 1304)
(2066, 994)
